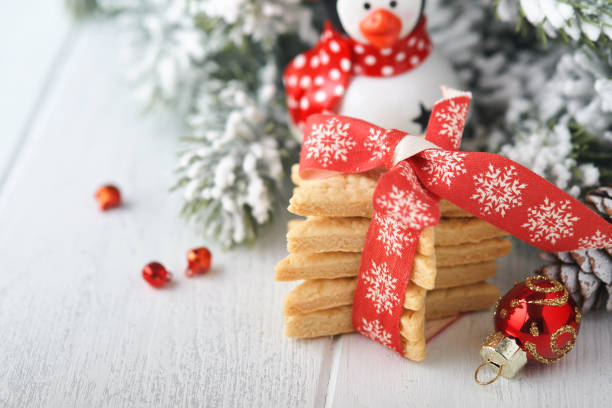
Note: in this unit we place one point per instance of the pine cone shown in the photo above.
(600, 201)
(587, 274)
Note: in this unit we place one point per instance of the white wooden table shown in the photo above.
(79, 326)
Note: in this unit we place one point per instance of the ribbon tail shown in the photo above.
(402, 209)
(513, 198)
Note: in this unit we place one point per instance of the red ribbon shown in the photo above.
(405, 201)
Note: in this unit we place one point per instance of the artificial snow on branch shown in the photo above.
(232, 169)
(546, 106)
(587, 21)
(217, 63)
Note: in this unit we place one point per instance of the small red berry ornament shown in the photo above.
(156, 274)
(198, 261)
(536, 319)
(108, 197)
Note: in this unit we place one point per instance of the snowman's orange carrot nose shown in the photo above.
(381, 28)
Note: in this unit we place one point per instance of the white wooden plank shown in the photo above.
(32, 34)
(79, 326)
(369, 375)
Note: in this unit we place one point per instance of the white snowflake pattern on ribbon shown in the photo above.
(329, 142)
(406, 208)
(498, 190)
(443, 166)
(392, 235)
(411, 178)
(550, 221)
(407, 172)
(452, 119)
(381, 288)
(377, 143)
(375, 331)
(597, 240)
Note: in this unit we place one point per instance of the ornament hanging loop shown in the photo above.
(499, 372)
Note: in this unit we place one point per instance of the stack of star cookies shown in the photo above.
(453, 260)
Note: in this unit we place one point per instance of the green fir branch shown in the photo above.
(81, 8)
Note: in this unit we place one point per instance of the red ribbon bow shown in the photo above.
(490, 186)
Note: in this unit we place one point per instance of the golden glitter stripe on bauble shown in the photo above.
(557, 287)
(568, 346)
(553, 346)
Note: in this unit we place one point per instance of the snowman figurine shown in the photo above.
(374, 62)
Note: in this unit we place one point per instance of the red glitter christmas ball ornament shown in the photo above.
(156, 274)
(541, 316)
(198, 261)
(536, 319)
(108, 197)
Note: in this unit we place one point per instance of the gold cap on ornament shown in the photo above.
(502, 355)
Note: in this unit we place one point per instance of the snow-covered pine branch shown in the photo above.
(232, 168)
(544, 106)
(215, 63)
(577, 20)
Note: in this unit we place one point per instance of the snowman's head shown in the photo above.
(379, 22)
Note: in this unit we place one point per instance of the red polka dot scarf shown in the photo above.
(316, 80)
